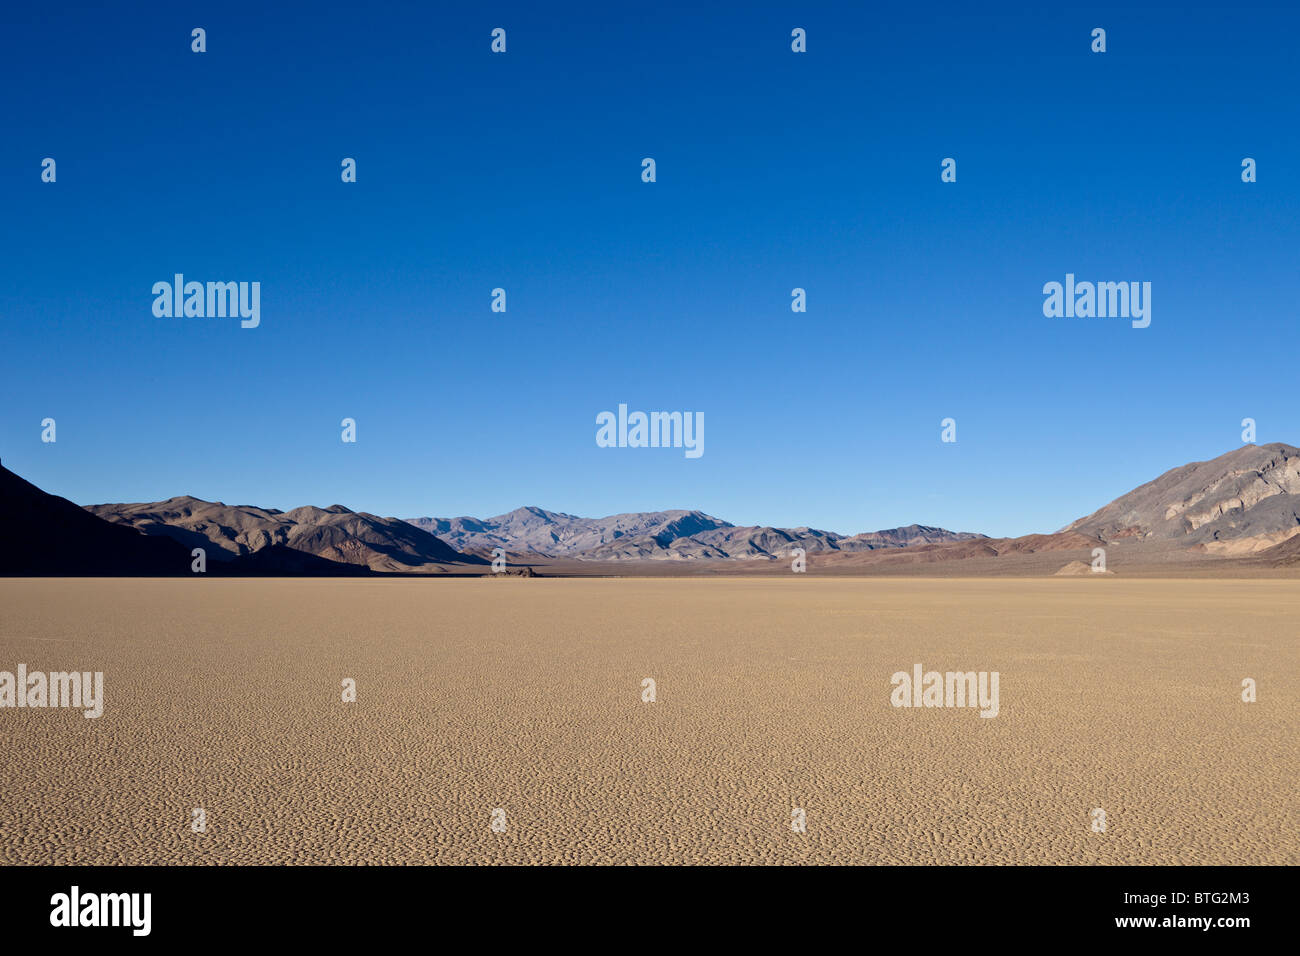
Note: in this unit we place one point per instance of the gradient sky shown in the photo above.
(522, 170)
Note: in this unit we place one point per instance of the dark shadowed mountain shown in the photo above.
(658, 536)
(44, 534)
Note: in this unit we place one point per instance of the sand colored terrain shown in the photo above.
(525, 695)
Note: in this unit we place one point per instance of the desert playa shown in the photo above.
(525, 696)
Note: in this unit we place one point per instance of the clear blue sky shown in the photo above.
(522, 170)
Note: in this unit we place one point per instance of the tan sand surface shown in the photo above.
(772, 694)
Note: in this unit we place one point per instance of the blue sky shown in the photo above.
(775, 170)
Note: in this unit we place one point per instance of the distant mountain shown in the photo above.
(538, 531)
(1244, 501)
(44, 534)
(658, 536)
(336, 534)
(1029, 544)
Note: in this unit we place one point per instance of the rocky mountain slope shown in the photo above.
(1244, 501)
(335, 533)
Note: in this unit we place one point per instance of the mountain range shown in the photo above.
(336, 533)
(658, 536)
(1243, 505)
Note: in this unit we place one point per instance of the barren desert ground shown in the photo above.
(771, 694)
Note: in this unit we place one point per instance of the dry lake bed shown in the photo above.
(507, 721)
